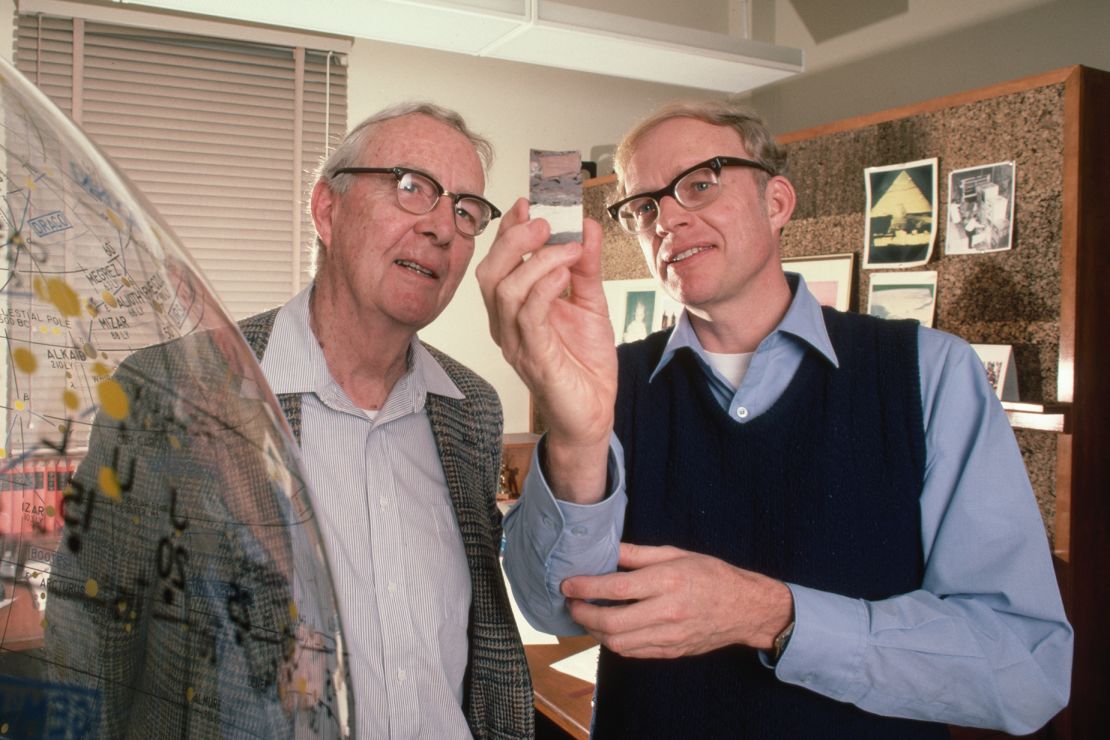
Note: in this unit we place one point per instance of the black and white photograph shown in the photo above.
(901, 214)
(980, 209)
(555, 193)
(903, 295)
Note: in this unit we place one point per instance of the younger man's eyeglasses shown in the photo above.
(693, 188)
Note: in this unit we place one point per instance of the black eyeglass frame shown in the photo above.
(716, 164)
(399, 173)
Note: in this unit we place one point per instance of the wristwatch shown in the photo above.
(780, 643)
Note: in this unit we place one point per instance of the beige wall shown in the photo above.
(920, 50)
(519, 107)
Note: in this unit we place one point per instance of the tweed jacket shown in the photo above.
(169, 607)
(498, 699)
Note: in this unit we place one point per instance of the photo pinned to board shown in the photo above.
(901, 214)
(980, 209)
(903, 295)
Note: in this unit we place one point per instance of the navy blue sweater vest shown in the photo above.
(821, 490)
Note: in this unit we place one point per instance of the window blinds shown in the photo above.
(222, 136)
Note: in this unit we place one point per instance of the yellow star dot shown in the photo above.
(109, 483)
(24, 360)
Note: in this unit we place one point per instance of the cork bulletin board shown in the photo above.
(1011, 297)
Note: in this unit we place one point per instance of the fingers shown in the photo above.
(586, 272)
(522, 301)
(632, 583)
(506, 279)
(520, 293)
(652, 642)
(611, 587)
(516, 237)
(610, 620)
(686, 601)
(636, 630)
(633, 557)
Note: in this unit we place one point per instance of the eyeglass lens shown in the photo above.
(419, 194)
(693, 190)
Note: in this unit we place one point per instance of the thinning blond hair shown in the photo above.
(757, 138)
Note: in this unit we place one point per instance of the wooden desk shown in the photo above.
(568, 701)
(565, 700)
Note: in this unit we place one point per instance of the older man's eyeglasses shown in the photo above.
(693, 188)
(418, 193)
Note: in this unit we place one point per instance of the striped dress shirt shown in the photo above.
(391, 535)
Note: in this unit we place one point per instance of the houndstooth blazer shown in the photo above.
(498, 700)
(168, 613)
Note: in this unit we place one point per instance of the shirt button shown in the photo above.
(741, 412)
(392, 587)
(401, 675)
(384, 502)
(579, 530)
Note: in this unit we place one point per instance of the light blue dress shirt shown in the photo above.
(389, 529)
(984, 642)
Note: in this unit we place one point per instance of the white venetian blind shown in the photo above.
(221, 135)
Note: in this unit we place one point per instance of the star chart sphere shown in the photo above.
(161, 570)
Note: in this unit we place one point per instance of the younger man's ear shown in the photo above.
(780, 199)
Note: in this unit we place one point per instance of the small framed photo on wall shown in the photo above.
(829, 277)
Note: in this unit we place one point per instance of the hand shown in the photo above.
(560, 343)
(682, 603)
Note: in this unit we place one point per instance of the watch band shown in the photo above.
(780, 643)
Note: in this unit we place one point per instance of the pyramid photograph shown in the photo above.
(901, 219)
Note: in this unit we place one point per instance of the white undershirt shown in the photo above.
(731, 367)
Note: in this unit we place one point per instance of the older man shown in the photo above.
(401, 444)
(834, 534)
(182, 603)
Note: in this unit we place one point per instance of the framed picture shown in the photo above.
(998, 362)
(829, 277)
(639, 307)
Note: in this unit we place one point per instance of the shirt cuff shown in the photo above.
(573, 530)
(551, 540)
(826, 650)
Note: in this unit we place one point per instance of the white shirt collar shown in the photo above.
(294, 363)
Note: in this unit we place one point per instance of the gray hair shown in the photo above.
(350, 149)
(757, 138)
